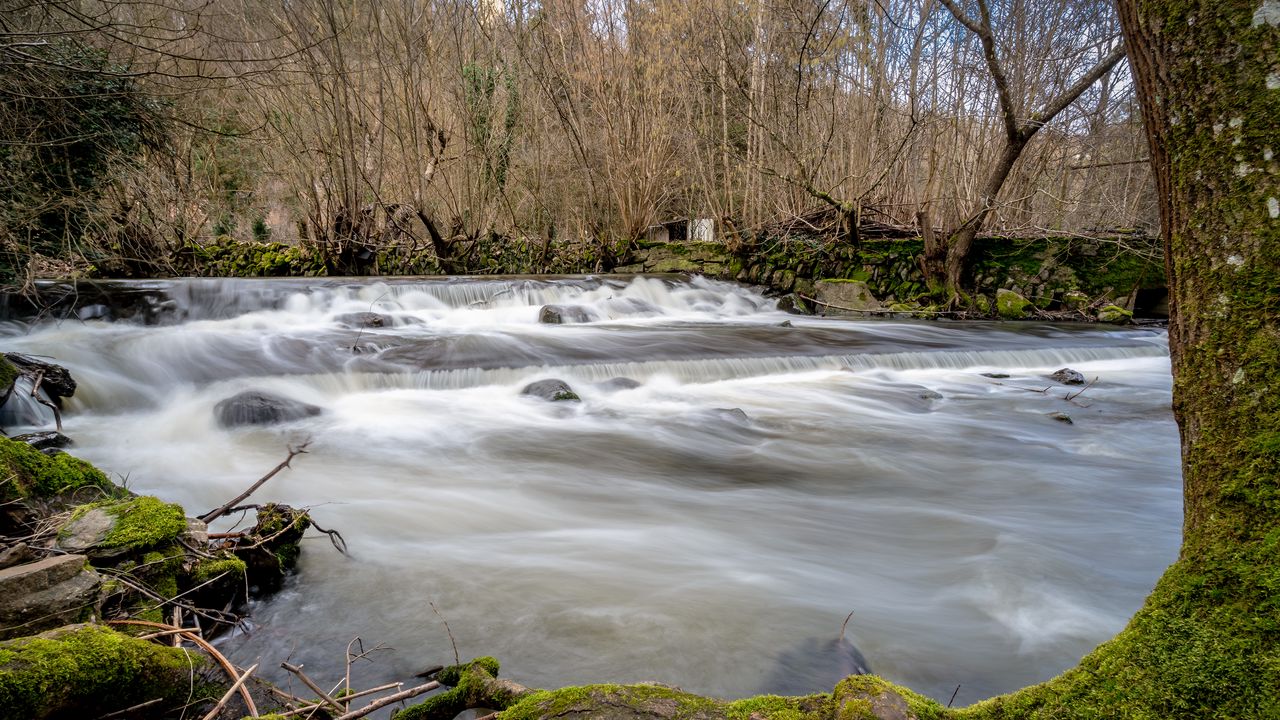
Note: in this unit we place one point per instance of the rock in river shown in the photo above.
(551, 390)
(564, 314)
(1067, 376)
(254, 407)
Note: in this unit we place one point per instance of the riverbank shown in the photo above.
(1110, 278)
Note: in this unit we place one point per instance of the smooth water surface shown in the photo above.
(654, 532)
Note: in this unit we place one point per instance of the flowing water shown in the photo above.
(710, 527)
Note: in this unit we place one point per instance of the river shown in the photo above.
(653, 532)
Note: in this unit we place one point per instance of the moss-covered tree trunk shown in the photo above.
(1207, 642)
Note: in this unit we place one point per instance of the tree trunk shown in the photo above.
(960, 244)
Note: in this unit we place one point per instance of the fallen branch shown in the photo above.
(388, 700)
(293, 452)
(297, 670)
(230, 691)
(1073, 396)
(35, 393)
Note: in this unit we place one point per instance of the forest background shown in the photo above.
(145, 138)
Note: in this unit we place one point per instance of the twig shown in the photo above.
(456, 659)
(953, 696)
(1073, 396)
(130, 710)
(297, 670)
(388, 700)
(845, 624)
(312, 706)
(230, 691)
(335, 537)
(293, 452)
(35, 393)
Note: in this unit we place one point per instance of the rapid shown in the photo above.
(708, 526)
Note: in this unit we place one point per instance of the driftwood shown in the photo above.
(235, 687)
(219, 512)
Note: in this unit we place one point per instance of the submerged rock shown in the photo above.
(46, 594)
(618, 383)
(365, 320)
(254, 407)
(564, 314)
(551, 390)
(1062, 418)
(1067, 376)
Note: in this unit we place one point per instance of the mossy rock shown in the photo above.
(115, 528)
(1115, 315)
(88, 671)
(1010, 305)
(30, 474)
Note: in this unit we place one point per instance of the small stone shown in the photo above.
(1067, 376)
(996, 375)
(16, 555)
(930, 395)
(1062, 417)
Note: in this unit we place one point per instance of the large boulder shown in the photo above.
(46, 594)
(845, 296)
(254, 407)
(552, 390)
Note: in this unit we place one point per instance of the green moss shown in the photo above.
(91, 670)
(8, 373)
(1011, 305)
(1114, 314)
(141, 523)
(209, 569)
(32, 474)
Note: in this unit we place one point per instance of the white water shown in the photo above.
(647, 534)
